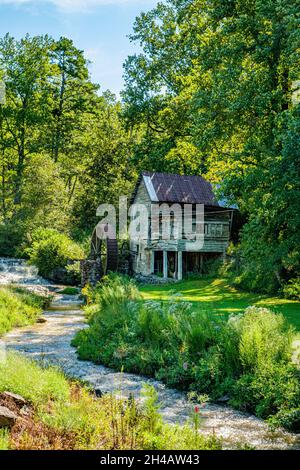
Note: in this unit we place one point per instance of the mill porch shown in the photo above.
(179, 264)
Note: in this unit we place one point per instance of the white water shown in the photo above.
(17, 271)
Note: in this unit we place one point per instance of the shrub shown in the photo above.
(264, 338)
(292, 289)
(247, 357)
(271, 393)
(289, 419)
(69, 291)
(10, 239)
(52, 252)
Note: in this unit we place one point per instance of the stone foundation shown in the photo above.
(152, 279)
(91, 271)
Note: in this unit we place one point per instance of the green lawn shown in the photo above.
(219, 297)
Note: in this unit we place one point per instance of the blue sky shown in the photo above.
(99, 27)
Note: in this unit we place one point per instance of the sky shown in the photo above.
(99, 27)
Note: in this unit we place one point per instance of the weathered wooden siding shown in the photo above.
(209, 246)
(216, 238)
(140, 255)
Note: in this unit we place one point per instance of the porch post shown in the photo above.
(152, 262)
(179, 265)
(165, 264)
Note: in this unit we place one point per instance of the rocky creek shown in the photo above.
(50, 342)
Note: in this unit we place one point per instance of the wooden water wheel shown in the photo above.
(104, 248)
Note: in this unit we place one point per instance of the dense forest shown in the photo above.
(214, 91)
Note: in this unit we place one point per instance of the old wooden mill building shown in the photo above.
(177, 257)
(171, 256)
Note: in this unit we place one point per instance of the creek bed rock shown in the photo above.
(7, 417)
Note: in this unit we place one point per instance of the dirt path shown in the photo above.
(50, 342)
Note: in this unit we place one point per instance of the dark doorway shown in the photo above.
(158, 263)
(197, 263)
(172, 264)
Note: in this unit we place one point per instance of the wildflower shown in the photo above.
(185, 366)
(197, 409)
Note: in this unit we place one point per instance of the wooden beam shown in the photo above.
(165, 272)
(152, 262)
(179, 265)
(201, 263)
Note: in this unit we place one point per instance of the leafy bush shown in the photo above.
(292, 289)
(270, 393)
(10, 239)
(70, 291)
(52, 252)
(289, 419)
(264, 338)
(18, 307)
(247, 357)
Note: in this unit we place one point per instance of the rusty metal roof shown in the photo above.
(172, 188)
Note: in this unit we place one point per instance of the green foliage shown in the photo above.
(18, 307)
(44, 196)
(273, 392)
(217, 82)
(51, 252)
(289, 419)
(11, 238)
(4, 439)
(264, 338)
(63, 148)
(292, 289)
(221, 298)
(212, 92)
(26, 378)
(248, 357)
(112, 287)
(72, 414)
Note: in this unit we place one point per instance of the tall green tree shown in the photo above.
(63, 146)
(154, 99)
(73, 106)
(220, 76)
(108, 170)
(26, 67)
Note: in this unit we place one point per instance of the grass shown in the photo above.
(219, 297)
(19, 307)
(65, 415)
(35, 384)
(70, 291)
(4, 439)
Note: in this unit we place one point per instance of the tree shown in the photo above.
(108, 170)
(220, 75)
(26, 68)
(73, 105)
(63, 147)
